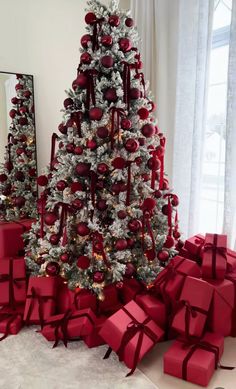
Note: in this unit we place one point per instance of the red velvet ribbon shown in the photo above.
(53, 148)
(77, 117)
(97, 25)
(90, 95)
(13, 281)
(161, 159)
(65, 209)
(42, 204)
(215, 250)
(168, 274)
(117, 113)
(10, 317)
(93, 182)
(146, 223)
(153, 178)
(134, 327)
(9, 146)
(127, 83)
(169, 196)
(41, 300)
(98, 238)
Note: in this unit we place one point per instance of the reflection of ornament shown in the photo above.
(30, 140)
(101, 297)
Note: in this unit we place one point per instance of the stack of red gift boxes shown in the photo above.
(192, 301)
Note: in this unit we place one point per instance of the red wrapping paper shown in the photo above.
(131, 287)
(214, 261)
(40, 302)
(11, 322)
(11, 241)
(194, 245)
(111, 302)
(94, 339)
(74, 300)
(232, 277)
(186, 254)
(200, 366)
(194, 302)
(85, 299)
(116, 327)
(12, 286)
(231, 260)
(153, 307)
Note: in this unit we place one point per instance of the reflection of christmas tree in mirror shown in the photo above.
(106, 211)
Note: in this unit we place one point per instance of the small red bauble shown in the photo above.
(119, 163)
(54, 239)
(134, 93)
(125, 44)
(130, 243)
(53, 268)
(102, 168)
(138, 161)
(130, 270)
(146, 177)
(42, 180)
(80, 81)
(90, 18)
(102, 132)
(157, 194)
(142, 141)
(75, 187)
(148, 130)
(19, 176)
(95, 113)
(176, 234)
(14, 101)
(7, 191)
(23, 121)
(68, 102)
(163, 256)
(131, 145)
(165, 185)
(78, 150)
(129, 22)
(101, 205)
(40, 261)
(149, 204)
(83, 262)
(85, 58)
(114, 20)
(165, 209)
(122, 214)
(119, 285)
(65, 257)
(150, 254)
(27, 94)
(134, 225)
(106, 40)
(50, 218)
(62, 128)
(153, 163)
(98, 277)
(77, 203)
(85, 40)
(91, 144)
(12, 113)
(61, 185)
(83, 229)
(20, 151)
(19, 201)
(116, 188)
(110, 95)
(107, 61)
(83, 169)
(169, 242)
(23, 138)
(70, 148)
(18, 87)
(3, 177)
(121, 244)
(143, 113)
(126, 124)
(175, 201)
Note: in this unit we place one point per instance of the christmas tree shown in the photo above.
(18, 186)
(106, 211)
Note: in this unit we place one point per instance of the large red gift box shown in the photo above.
(231, 260)
(94, 339)
(170, 281)
(11, 322)
(12, 281)
(154, 308)
(214, 260)
(193, 307)
(69, 325)
(131, 333)
(194, 363)
(220, 316)
(130, 288)
(85, 299)
(74, 299)
(11, 241)
(194, 245)
(40, 300)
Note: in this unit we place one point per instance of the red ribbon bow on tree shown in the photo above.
(146, 223)
(53, 148)
(117, 113)
(90, 95)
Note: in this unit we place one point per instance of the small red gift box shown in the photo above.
(231, 260)
(69, 325)
(194, 363)
(11, 241)
(220, 315)
(94, 339)
(214, 260)
(192, 308)
(194, 245)
(131, 333)
(131, 287)
(111, 302)
(12, 281)
(153, 307)
(40, 300)
(10, 322)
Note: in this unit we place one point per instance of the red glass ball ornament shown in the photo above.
(27, 94)
(129, 22)
(85, 40)
(131, 145)
(83, 262)
(107, 61)
(98, 277)
(116, 188)
(130, 270)
(83, 229)
(50, 218)
(81, 81)
(165, 210)
(150, 254)
(91, 144)
(122, 214)
(98, 247)
(42, 180)
(78, 150)
(125, 44)
(19, 201)
(90, 18)
(83, 169)
(19, 176)
(23, 121)
(23, 138)
(54, 239)
(134, 225)
(135, 93)
(143, 113)
(95, 113)
(148, 130)
(53, 269)
(163, 256)
(12, 113)
(102, 132)
(62, 128)
(175, 201)
(3, 177)
(40, 261)
(121, 244)
(85, 58)
(70, 148)
(65, 257)
(149, 204)
(176, 234)
(146, 177)
(19, 87)
(160, 151)
(126, 124)
(68, 103)
(165, 185)
(76, 187)
(7, 190)
(119, 163)
(15, 100)
(114, 20)
(106, 40)
(157, 194)
(103, 168)
(153, 163)
(170, 242)
(142, 141)
(110, 95)
(78, 204)
(138, 161)
(130, 243)
(101, 205)
(61, 185)
(20, 151)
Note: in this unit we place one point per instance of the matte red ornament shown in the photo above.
(175, 201)
(91, 144)
(40, 261)
(106, 40)
(107, 61)
(81, 81)
(68, 103)
(53, 269)
(125, 44)
(90, 18)
(150, 254)
(3, 177)
(65, 257)
(83, 169)
(119, 163)
(61, 185)
(12, 113)
(85, 58)
(129, 22)
(102, 132)
(110, 95)
(98, 277)
(116, 188)
(95, 113)
(19, 176)
(50, 218)
(83, 262)
(138, 161)
(62, 128)
(130, 243)
(130, 270)
(42, 180)
(15, 100)
(19, 201)
(27, 94)
(78, 150)
(131, 145)
(20, 151)
(149, 204)
(170, 242)
(121, 244)
(122, 214)
(114, 20)
(157, 194)
(101, 205)
(153, 163)
(83, 229)
(134, 225)
(85, 40)
(70, 148)
(176, 234)
(23, 138)
(23, 110)
(165, 210)
(163, 256)
(78, 204)
(103, 168)
(148, 130)
(134, 93)
(143, 113)
(76, 187)
(126, 124)
(23, 121)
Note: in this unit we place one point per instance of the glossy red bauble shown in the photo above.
(153, 163)
(142, 141)
(85, 40)
(125, 44)
(101, 205)
(157, 194)
(15, 100)
(143, 113)
(91, 144)
(170, 242)
(130, 243)
(65, 257)
(138, 161)
(176, 234)
(90, 18)
(116, 188)
(95, 113)
(134, 93)
(114, 20)
(119, 163)
(23, 121)
(19, 176)
(106, 40)
(70, 148)
(27, 94)
(83, 262)
(103, 168)
(19, 87)
(107, 61)
(42, 180)
(149, 204)
(7, 190)
(83, 229)
(76, 187)
(148, 130)
(12, 113)
(121, 244)
(78, 150)
(175, 201)
(102, 132)
(163, 256)
(83, 169)
(62, 128)
(53, 269)
(134, 225)
(78, 204)
(130, 270)
(98, 277)
(61, 185)
(85, 58)
(165, 210)
(50, 218)
(3, 177)
(110, 95)
(129, 22)
(81, 81)
(68, 103)
(131, 145)
(122, 214)
(126, 124)
(19, 201)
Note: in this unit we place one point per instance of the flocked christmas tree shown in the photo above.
(106, 210)
(18, 186)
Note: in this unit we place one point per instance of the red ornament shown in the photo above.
(83, 229)
(148, 130)
(138, 161)
(131, 145)
(54, 239)
(70, 148)
(61, 185)
(122, 214)
(83, 262)
(20, 151)
(78, 150)
(23, 110)
(27, 94)
(81, 81)
(106, 40)
(100, 184)
(157, 194)
(102, 168)
(176, 234)
(126, 124)
(101, 205)
(148, 204)
(143, 113)
(65, 257)
(175, 201)
(135, 93)
(163, 256)
(110, 95)
(85, 58)
(12, 113)
(90, 18)
(19, 176)
(116, 188)
(42, 180)
(18, 87)
(23, 138)
(169, 242)
(141, 141)
(15, 101)
(107, 61)
(130, 270)
(23, 121)
(114, 20)
(153, 163)
(95, 113)
(98, 277)
(91, 144)
(53, 268)
(85, 40)
(19, 201)
(125, 44)
(165, 210)
(7, 191)
(62, 128)
(130, 243)
(3, 177)
(150, 254)
(76, 187)
(102, 132)
(68, 103)
(50, 218)
(119, 163)
(121, 244)
(129, 22)
(119, 285)
(40, 261)
(78, 204)
(83, 169)
(134, 225)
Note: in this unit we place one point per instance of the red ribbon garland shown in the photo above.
(146, 223)
(127, 83)
(53, 148)
(96, 27)
(90, 95)
(42, 204)
(11, 316)
(161, 159)
(153, 178)
(41, 300)
(117, 113)
(215, 250)
(65, 208)
(98, 238)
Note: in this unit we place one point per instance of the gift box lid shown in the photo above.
(197, 292)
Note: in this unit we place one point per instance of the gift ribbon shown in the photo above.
(53, 148)
(10, 317)
(215, 250)
(12, 282)
(117, 113)
(41, 300)
(146, 223)
(161, 159)
(98, 238)
(133, 328)
(97, 25)
(127, 83)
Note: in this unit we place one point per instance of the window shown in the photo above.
(213, 167)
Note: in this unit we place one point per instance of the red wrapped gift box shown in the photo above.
(193, 307)
(85, 299)
(131, 287)
(186, 254)
(220, 316)
(40, 302)
(131, 333)
(11, 241)
(231, 260)
(153, 307)
(194, 245)
(69, 325)
(10, 322)
(214, 260)
(111, 303)
(12, 281)
(194, 363)
(94, 339)
(232, 278)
